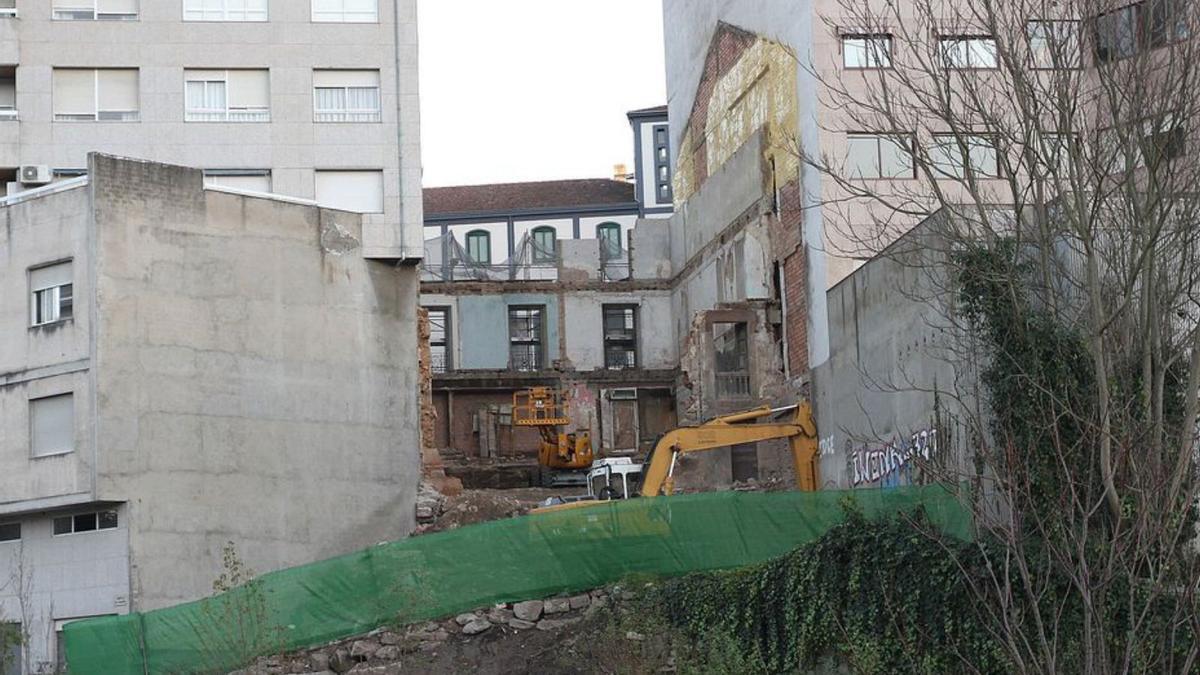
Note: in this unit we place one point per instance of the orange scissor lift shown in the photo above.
(564, 456)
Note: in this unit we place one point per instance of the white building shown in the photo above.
(307, 98)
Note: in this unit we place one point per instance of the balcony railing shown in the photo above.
(525, 358)
(733, 385)
(438, 363)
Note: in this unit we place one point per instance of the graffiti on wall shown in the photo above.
(892, 463)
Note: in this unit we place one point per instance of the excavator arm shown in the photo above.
(721, 432)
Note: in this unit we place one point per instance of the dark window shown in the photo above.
(544, 248)
(1165, 22)
(609, 235)
(86, 522)
(1117, 34)
(880, 156)
(439, 339)
(731, 351)
(1053, 44)
(525, 338)
(479, 247)
(662, 163)
(10, 531)
(1163, 139)
(12, 643)
(867, 51)
(968, 52)
(620, 336)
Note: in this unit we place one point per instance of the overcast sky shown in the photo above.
(519, 90)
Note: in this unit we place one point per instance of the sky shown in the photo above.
(521, 90)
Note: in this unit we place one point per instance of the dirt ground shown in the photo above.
(479, 506)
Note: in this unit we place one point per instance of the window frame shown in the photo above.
(30, 426)
(347, 114)
(58, 303)
(627, 344)
(128, 116)
(447, 357)
(664, 192)
(943, 41)
(313, 15)
(264, 111)
(96, 15)
(868, 39)
(607, 253)
(4, 539)
(539, 253)
(878, 137)
(266, 13)
(742, 376)
(963, 175)
(535, 344)
(72, 518)
(1053, 48)
(478, 235)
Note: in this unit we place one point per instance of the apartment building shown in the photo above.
(315, 99)
(185, 365)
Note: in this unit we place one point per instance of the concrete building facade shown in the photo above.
(316, 100)
(183, 365)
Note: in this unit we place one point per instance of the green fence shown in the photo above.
(441, 574)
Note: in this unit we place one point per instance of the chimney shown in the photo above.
(620, 172)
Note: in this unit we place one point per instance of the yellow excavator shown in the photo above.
(726, 430)
(564, 456)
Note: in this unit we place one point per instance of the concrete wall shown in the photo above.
(291, 145)
(257, 379)
(49, 578)
(44, 360)
(893, 392)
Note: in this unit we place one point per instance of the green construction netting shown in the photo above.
(446, 573)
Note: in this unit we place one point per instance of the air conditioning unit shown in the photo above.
(35, 174)
(622, 394)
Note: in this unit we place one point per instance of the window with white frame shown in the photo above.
(952, 155)
(357, 191)
(346, 96)
(968, 52)
(8, 8)
(101, 94)
(345, 11)
(51, 294)
(224, 10)
(1053, 44)
(227, 95)
(880, 156)
(52, 425)
(8, 92)
(866, 51)
(95, 10)
(250, 180)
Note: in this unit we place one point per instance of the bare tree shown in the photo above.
(1056, 142)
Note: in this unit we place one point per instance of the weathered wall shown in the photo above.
(258, 379)
(43, 360)
(891, 395)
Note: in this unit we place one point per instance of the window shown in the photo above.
(1165, 22)
(951, 155)
(479, 247)
(609, 235)
(105, 94)
(227, 95)
(968, 52)
(439, 339)
(8, 92)
(13, 641)
(662, 163)
(1117, 34)
(8, 8)
(867, 51)
(85, 522)
(51, 293)
(346, 96)
(249, 180)
(1053, 44)
(880, 156)
(525, 338)
(1162, 139)
(345, 11)
(95, 10)
(10, 531)
(1122, 33)
(356, 191)
(620, 336)
(224, 10)
(731, 352)
(544, 246)
(52, 425)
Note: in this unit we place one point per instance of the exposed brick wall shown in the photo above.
(522, 442)
(789, 245)
(727, 46)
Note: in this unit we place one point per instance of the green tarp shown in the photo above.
(446, 573)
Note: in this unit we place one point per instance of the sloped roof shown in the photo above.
(565, 194)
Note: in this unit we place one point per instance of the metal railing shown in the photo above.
(733, 385)
(525, 357)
